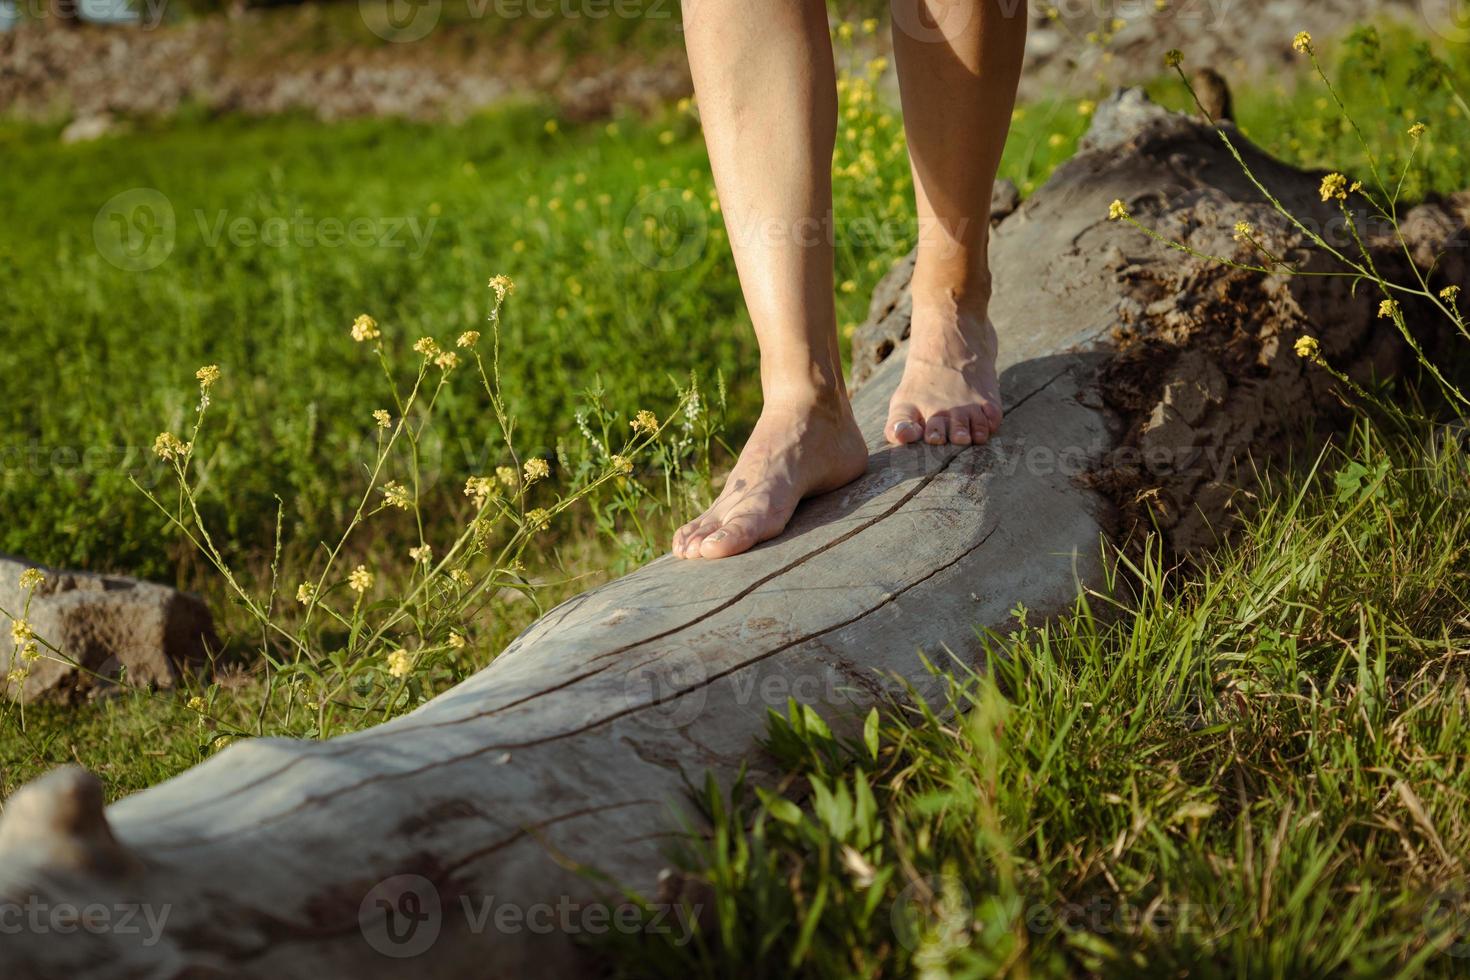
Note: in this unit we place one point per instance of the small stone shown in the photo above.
(106, 627)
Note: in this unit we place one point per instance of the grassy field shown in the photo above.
(1259, 770)
(1270, 743)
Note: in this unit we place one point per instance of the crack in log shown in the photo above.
(352, 787)
(511, 746)
(277, 930)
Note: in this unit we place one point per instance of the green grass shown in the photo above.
(1258, 770)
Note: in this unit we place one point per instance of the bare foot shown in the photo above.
(796, 451)
(949, 392)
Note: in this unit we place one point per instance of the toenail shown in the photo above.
(717, 536)
(906, 427)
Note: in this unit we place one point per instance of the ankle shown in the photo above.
(952, 299)
(806, 396)
(958, 288)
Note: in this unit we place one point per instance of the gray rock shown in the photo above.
(85, 129)
(103, 627)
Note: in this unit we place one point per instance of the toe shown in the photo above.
(681, 536)
(936, 430)
(739, 533)
(693, 545)
(960, 428)
(904, 425)
(992, 415)
(697, 531)
(979, 427)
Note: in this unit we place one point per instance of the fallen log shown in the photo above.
(450, 842)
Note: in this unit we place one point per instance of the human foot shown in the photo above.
(797, 450)
(949, 391)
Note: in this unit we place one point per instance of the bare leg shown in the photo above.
(767, 92)
(958, 63)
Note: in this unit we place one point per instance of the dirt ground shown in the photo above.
(300, 59)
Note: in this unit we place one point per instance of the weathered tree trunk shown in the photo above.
(278, 858)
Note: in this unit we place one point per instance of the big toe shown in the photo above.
(739, 533)
(905, 424)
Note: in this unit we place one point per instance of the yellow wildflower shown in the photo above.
(1244, 232)
(29, 652)
(1302, 43)
(397, 495)
(448, 360)
(381, 416)
(361, 579)
(844, 31)
(365, 328)
(1307, 347)
(460, 576)
(423, 554)
(1117, 211)
(468, 339)
(480, 488)
(1334, 185)
(536, 469)
(1086, 107)
(1173, 58)
(538, 519)
(21, 631)
(196, 704)
(400, 664)
(17, 677)
(457, 640)
(506, 475)
(870, 25)
(1449, 294)
(207, 375)
(426, 346)
(622, 465)
(305, 592)
(1388, 309)
(168, 446)
(31, 577)
(1417, 130)
(503, 287)
(645, 421)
